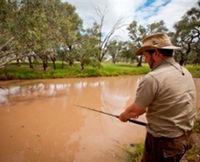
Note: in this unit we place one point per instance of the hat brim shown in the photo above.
(142, 49)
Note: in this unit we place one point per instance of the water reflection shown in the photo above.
(109, 92)
(12, 93)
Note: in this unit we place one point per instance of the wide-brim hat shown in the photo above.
(156, 41)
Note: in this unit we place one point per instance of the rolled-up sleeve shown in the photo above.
(146, 91)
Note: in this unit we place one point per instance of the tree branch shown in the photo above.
(1, 47)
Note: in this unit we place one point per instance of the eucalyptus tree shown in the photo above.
(125, 54)
(129, 51)
(70, 26)
(157, 27)
(137, 33)
(87, 50)
(32, 29)
(8, 11)
(187, 34)
(114, 50)
(44, 26)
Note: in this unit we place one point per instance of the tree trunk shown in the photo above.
(30, 62)
(82, 66)
(18, 64)
(182, 60)
(139, 61)
(63, 59)
(53, 59)
(71, 62)
(44, 62)
(113, 60)
(44, 65)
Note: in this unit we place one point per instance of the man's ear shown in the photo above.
(158, 54)
(155, 54)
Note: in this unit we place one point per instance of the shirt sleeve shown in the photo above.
(146, 91)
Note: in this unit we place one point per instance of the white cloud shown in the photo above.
(172, 12)
(131, 10)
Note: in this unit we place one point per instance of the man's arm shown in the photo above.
(132, 111)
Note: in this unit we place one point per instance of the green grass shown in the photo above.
(195, 70)
(12, 71)
(196, 128)
(193, 154)
(135, 152)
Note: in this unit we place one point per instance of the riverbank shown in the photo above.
(13, 72)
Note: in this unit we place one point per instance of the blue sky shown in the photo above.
(143, 11)
(155, 9)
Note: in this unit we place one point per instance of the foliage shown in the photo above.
(38, 27)
(51, 30)
(135, 152)
(114, 50)
(194, 69)
(156, 27)
(196, 128)
(193, 154)
(87, 51)
(188, 36)
(138, 32)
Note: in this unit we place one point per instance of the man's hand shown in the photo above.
(123, 117)
(132, 111)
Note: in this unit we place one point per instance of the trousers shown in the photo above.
(163, 149)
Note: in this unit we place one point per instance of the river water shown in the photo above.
(39, 121)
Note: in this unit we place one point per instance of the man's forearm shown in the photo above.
(132, 111)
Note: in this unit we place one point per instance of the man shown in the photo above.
(167, 94)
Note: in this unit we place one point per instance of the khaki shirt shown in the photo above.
(170, 99)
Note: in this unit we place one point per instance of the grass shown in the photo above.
(193, 154)
(196, 128)
(195, 70)
(134, 152)
(12, 71)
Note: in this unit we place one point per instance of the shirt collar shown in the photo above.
(167, 60)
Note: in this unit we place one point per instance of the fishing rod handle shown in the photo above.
(137, 122)
(134, 121)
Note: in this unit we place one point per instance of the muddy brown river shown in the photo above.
(39, 121)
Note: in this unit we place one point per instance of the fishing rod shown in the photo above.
(116, 116)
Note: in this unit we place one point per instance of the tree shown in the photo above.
(114, 50)
(8, 11)
(103, 37)
(70, 26)
(156, 27)
(87, 50)
(37, 29)
(136, 34)
(187, 34)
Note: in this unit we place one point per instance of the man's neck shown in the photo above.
(159, 61)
